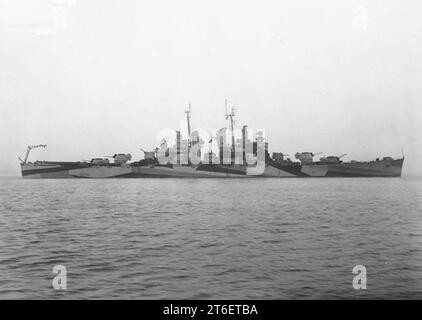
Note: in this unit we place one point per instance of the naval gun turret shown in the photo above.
(332, 159)
(150, 155)
(120, 158)
(306, 157)
(99, 162)
(278, 157)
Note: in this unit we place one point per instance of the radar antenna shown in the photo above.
(188, 117)
(231, 116)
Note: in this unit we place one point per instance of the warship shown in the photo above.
(185, 158)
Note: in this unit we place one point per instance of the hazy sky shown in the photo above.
(93, 78)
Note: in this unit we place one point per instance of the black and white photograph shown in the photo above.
(192, 151)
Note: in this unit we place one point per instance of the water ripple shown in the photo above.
(210, 238)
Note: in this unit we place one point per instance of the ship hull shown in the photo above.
(200, 171)
(63, 170)
(392, 168)
(66, 170)
(382, 168)
(49, 170)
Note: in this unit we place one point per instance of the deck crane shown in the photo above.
(28, 150)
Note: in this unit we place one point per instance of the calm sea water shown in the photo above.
(211, 238)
